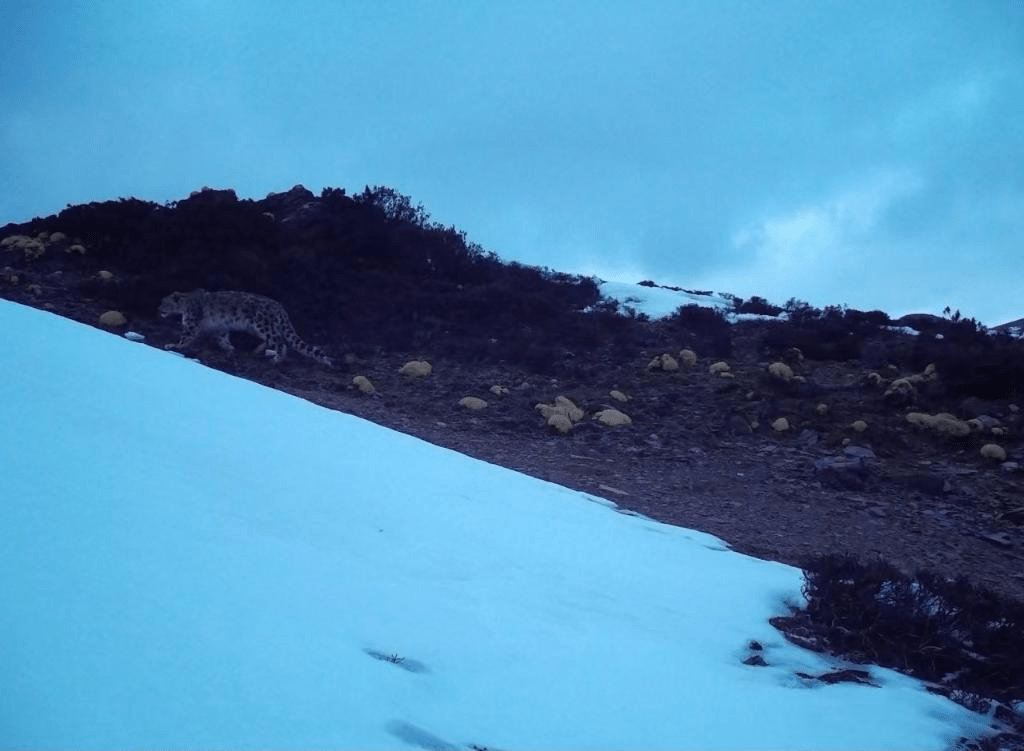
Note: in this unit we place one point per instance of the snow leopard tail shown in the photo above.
(307, 350)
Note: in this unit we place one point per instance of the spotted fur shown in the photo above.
(217, 314)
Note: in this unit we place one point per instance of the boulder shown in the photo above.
(901, 393)
(472, 402)
(993, 452)
(363, 384)
(113, 319)
(688, 357)
(416, 369)
(847, 472)
(942, 423)
(612, 418)
(561, 406)
(560, 422)
(664, 362)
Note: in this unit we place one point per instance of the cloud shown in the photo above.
(850, 215)
(823, 249)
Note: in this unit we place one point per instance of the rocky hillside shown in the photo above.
(792, 434)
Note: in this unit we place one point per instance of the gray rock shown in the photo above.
(999, 538)
(850, 675)
(738, 425)
(846, 472)
(932, 483)
(859, 452)
(972, 406)
(808, 438)
(1015, 515)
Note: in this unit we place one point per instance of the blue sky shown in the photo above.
(864, 153)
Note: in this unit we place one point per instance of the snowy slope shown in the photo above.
(658, 302)
(195, 561)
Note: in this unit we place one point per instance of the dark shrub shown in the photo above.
(800, 311)
(702, 327)
(818, 338)
(757, 306)
(696, 317)
(984, 366)
(924, 624)
(366, 272)
(866, 322)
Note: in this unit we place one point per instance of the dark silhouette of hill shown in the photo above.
(372, 272)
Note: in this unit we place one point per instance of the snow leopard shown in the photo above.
(217, 314)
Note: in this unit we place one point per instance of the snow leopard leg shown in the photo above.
(224, 341)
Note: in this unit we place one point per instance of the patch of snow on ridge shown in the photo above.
(659, 302)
